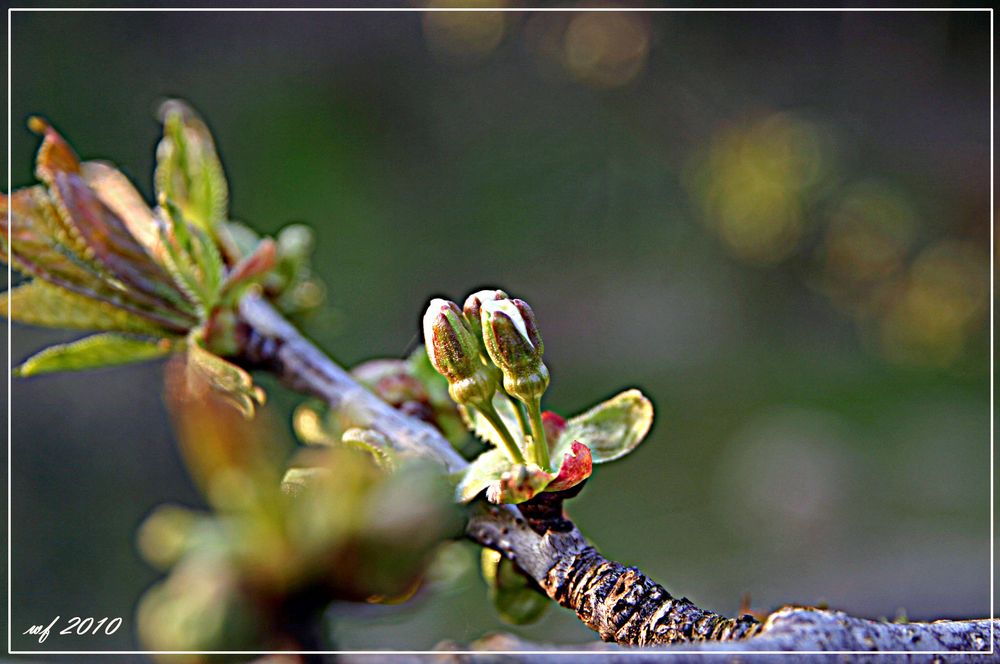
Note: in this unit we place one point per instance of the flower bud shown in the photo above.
(514, 344)
(473, 305)
(454, 352)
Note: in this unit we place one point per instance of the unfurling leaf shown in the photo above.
(120, 195)
(575, 466)
(610, 429)
(45, 245)
(372, 442)
(481, 427)
(252, 267)
(55, 154)
(188, 169)
(522, 482)
(108, 239)
(99, 350)
(191, 258)
(39, 303)
(208, 369)
(516, 598)
(485, 470)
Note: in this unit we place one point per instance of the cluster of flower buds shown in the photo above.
(492, 338)
(490, 352)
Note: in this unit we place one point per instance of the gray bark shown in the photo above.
(620, 603)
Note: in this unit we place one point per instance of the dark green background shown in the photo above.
(792, 458)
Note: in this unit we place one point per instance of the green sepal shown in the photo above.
(610, 429)
(99, 350)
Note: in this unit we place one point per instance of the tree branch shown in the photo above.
(619, 603)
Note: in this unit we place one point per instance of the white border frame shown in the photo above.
(640, 651)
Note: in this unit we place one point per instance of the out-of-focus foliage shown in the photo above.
(258, 571)
(516, 597)
(159, 280)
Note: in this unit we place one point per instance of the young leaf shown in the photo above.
(232, 382)
(251, 267)
(190, 258)
(522, 482)
(39, 303)
(107, 238)
(516, 598)
(611, 429)
(54, 154)
(487, 469)
(99, 350)
(480, 426)
(372, 442)
(42, 246)
(188, 169)
(120, 196)
(575, 466)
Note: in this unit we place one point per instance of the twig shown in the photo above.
(619, 603)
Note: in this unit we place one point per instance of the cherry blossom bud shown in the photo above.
(473, 305)
(454, 352)
(514, 344)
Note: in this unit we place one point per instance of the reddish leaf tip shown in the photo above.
(577, 465)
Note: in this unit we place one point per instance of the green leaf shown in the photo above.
(100, 350)
(251, 268)
(522, 482)
(610, 429)
(207, 257)
(516, 598)
(44, 248)
(118, 193)
(372, 442)
(224, 377)
(40, 303)
(188, 169)
(109, 240)
(480, 426)
(487, 469)
(191, 258)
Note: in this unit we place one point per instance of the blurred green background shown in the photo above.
(775, 224)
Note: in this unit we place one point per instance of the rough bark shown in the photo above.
(620, 603)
